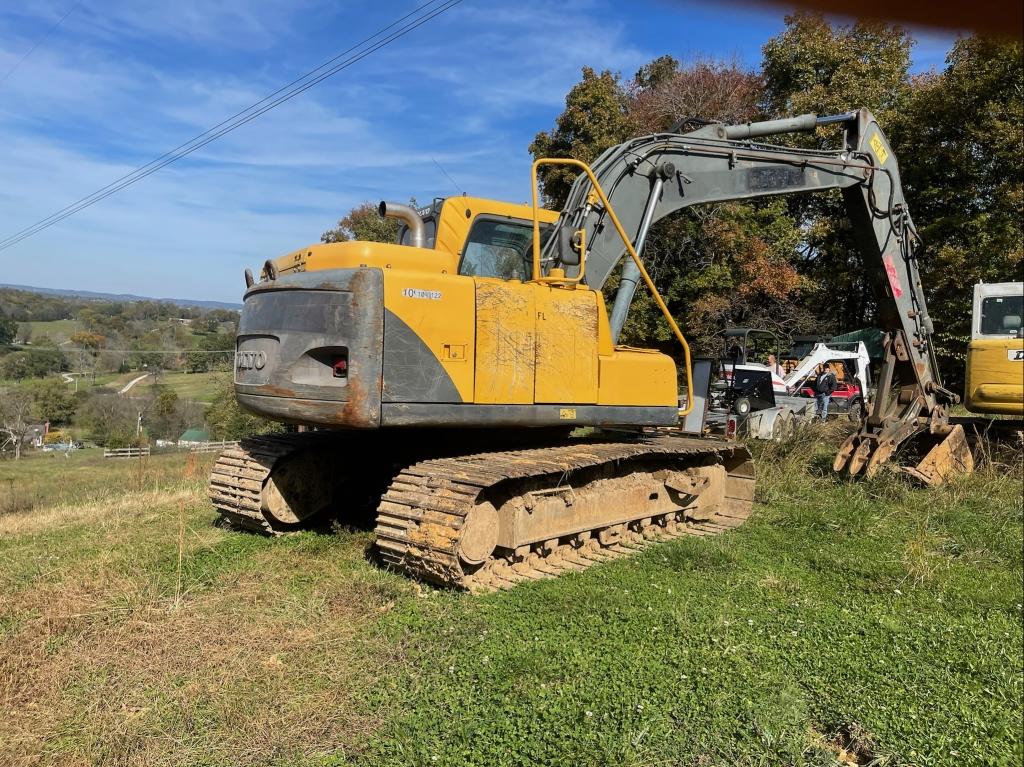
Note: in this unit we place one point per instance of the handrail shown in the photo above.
(538, 277)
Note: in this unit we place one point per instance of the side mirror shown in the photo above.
(567, 253)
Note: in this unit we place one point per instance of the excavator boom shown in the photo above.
(650, 177)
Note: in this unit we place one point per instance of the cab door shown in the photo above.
(505, 342)
(566, 345)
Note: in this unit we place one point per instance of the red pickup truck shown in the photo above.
(847, 398)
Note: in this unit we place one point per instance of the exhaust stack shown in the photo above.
(407, 215)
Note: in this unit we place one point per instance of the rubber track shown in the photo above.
(421, 515)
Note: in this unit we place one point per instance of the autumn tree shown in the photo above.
(110, 419)
(816, 67)
(596, 116)
(791, 263)
(721, 266)
(16, 406)
(36, 362)
(214, 352)
(364, 223)
(716, 265)
(53, 401)
(663, 93)
(89, 345)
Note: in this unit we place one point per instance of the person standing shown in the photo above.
(824, 385)
(774, 366)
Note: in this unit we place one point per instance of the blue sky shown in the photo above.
(121, 82)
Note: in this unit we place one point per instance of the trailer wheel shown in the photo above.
(782, 428)
(741, 406)
(856, 410)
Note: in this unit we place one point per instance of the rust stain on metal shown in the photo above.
(277, 391)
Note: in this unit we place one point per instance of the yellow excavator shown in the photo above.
(446, 376)
(995, 355)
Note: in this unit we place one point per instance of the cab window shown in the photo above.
(1001, 315)
(499, 248)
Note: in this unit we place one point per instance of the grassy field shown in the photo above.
(196, 387)
(111, 381)
(862, 623)
(58, 330)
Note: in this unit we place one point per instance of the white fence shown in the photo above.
(195, 447)
(212, 447)
(126, 452)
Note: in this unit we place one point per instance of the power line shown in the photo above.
(414, 19)
(238, 115)
(40, 41)
(458, 189)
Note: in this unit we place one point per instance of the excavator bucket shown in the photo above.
(949, 455)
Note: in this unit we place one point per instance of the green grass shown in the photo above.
(196, 387)
(84, 477)
(874, 611)
(112, 381)
(57, 330)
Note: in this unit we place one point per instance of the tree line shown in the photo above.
(109, 336)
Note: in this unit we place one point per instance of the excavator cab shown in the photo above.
(461, 322)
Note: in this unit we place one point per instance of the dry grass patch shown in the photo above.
(112, 672)
(99, 513)
(250, 651)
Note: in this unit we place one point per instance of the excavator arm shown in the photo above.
(648, 178)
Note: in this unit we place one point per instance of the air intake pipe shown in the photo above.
(408, 216)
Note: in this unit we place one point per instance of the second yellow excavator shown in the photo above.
(446, 373)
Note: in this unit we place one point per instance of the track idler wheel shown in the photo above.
(479, 534)
(299, 487)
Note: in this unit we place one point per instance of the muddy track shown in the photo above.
(422, 515)
(240, 474)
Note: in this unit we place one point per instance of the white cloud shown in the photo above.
(122, 82)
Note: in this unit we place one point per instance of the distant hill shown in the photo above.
(88, 294)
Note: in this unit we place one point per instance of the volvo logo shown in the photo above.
(250, 360)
